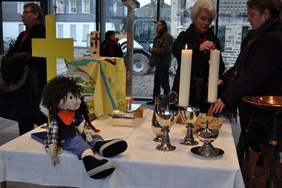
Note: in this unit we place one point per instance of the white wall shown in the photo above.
(11, 30)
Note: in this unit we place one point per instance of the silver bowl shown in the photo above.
(207, 136)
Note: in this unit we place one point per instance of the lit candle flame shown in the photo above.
(186, 46)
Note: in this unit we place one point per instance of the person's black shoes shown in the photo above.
(150, 102)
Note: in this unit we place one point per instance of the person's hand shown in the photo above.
(218, 106)
(207, 45)
(220, 82)
(52, 150)
(150, 49)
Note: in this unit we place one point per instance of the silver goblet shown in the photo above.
(166, 119)
(161, 102)
(189, 115)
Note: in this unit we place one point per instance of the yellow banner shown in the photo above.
(103, 80)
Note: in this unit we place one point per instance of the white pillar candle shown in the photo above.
(213, 75)
(185, 77)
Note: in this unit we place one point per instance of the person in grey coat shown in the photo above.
(161, 59)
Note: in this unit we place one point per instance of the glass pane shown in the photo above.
(72, 6)
(60, 6)
(12, 21)
(232, 26)
(233, 23)
(86, 6)
(149, 31)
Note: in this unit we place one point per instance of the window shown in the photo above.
(124, 11)
(85, 32)
(233, 16)
(72, 4)
(85, 6)
(220, 36)
(149, 31)
(21, 28)
(60, 31)
(115, 7)
(245, 30)
(137, 31)
(60, 6)
(20, 7)
(73, 32)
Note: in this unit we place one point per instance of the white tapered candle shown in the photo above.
(213, 75)
(185, 77)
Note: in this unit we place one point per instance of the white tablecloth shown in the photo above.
(141, 165)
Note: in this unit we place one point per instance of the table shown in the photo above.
(141, 165)
(103, 81)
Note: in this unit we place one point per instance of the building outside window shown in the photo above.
(245, 30)
(85, 33)
(115, 7)
(20, 7)
(72, 4)
(124, 11)
(60, 6)
(220, 36)
(60, 31)
(73, 32)
(21, 28)
(85, 6)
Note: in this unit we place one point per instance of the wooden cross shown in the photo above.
(51, 47)
(95, 44)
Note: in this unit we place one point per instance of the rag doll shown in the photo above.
(71, 129)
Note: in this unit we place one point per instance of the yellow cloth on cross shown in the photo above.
(103, 80)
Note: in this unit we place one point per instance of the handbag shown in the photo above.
(19, 92)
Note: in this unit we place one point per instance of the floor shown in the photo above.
(9, 131)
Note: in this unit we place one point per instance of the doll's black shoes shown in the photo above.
(110, 148)
(98, 168)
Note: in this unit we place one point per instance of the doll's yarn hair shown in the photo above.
(57, 89)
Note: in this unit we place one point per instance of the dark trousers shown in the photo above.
(176, 81)
(161, 80)
(27, 124)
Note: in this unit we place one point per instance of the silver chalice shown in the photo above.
(189, 115)
(166, 118)
(207, 136)
(162, 102)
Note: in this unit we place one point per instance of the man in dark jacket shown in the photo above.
(25, 90)
(161, 59)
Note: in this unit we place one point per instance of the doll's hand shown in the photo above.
(52, 150)
(81, 127)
